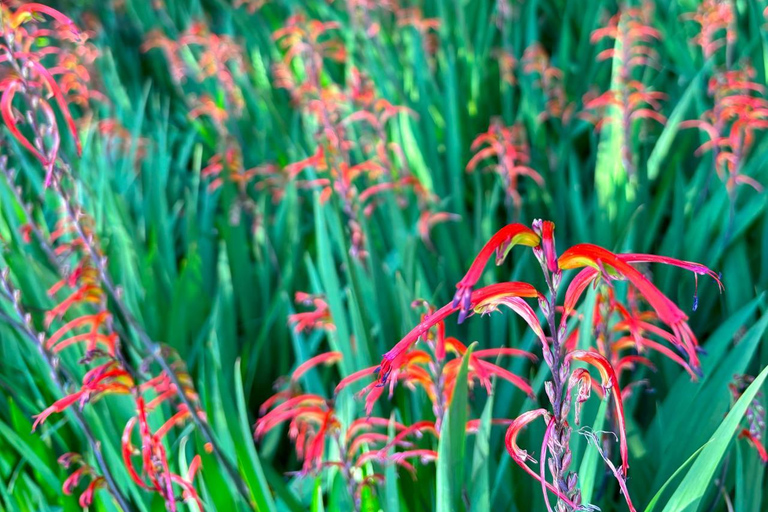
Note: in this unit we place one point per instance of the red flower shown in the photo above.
(610, 383)
(520, 456)
(611, 266)
(497, 292)
(108, 378)
(500, 243)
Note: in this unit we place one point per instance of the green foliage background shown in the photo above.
(220, 292)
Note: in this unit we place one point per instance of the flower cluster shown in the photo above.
(508, 147)
(739, 110)
(359, 447)
(216, 60)
(628, 97)
(29, 77)
(85, 321)
(623, 333)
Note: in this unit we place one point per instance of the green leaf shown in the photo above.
(391, 488)
(251, 466)
(480, 492)
(317, 497)
(452, 444)
(667, 137)
(691, 490)
(672, 478)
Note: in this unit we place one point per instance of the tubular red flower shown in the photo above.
(647, 343)
(517, 424)
(128, 450)
(354, 377)
(373, 438)
(68, 487)
(423, 455)
(492, 369)
(618, 265)
(581, 378)
(86, 498)
(504, 351)
(517, 305)
(520, 456)
(610, 382)
(500, 243)
(546, 230)
(543, 466)
(394, 358)
(365, 424)
(290, 407)
(440, 342)
(326, 358)
(746, 434)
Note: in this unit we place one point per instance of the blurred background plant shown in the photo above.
(251, 185)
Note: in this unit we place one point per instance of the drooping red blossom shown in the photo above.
(610, 383)
(500, 243)
(611, 266)
(84, 470)
(521, 456)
